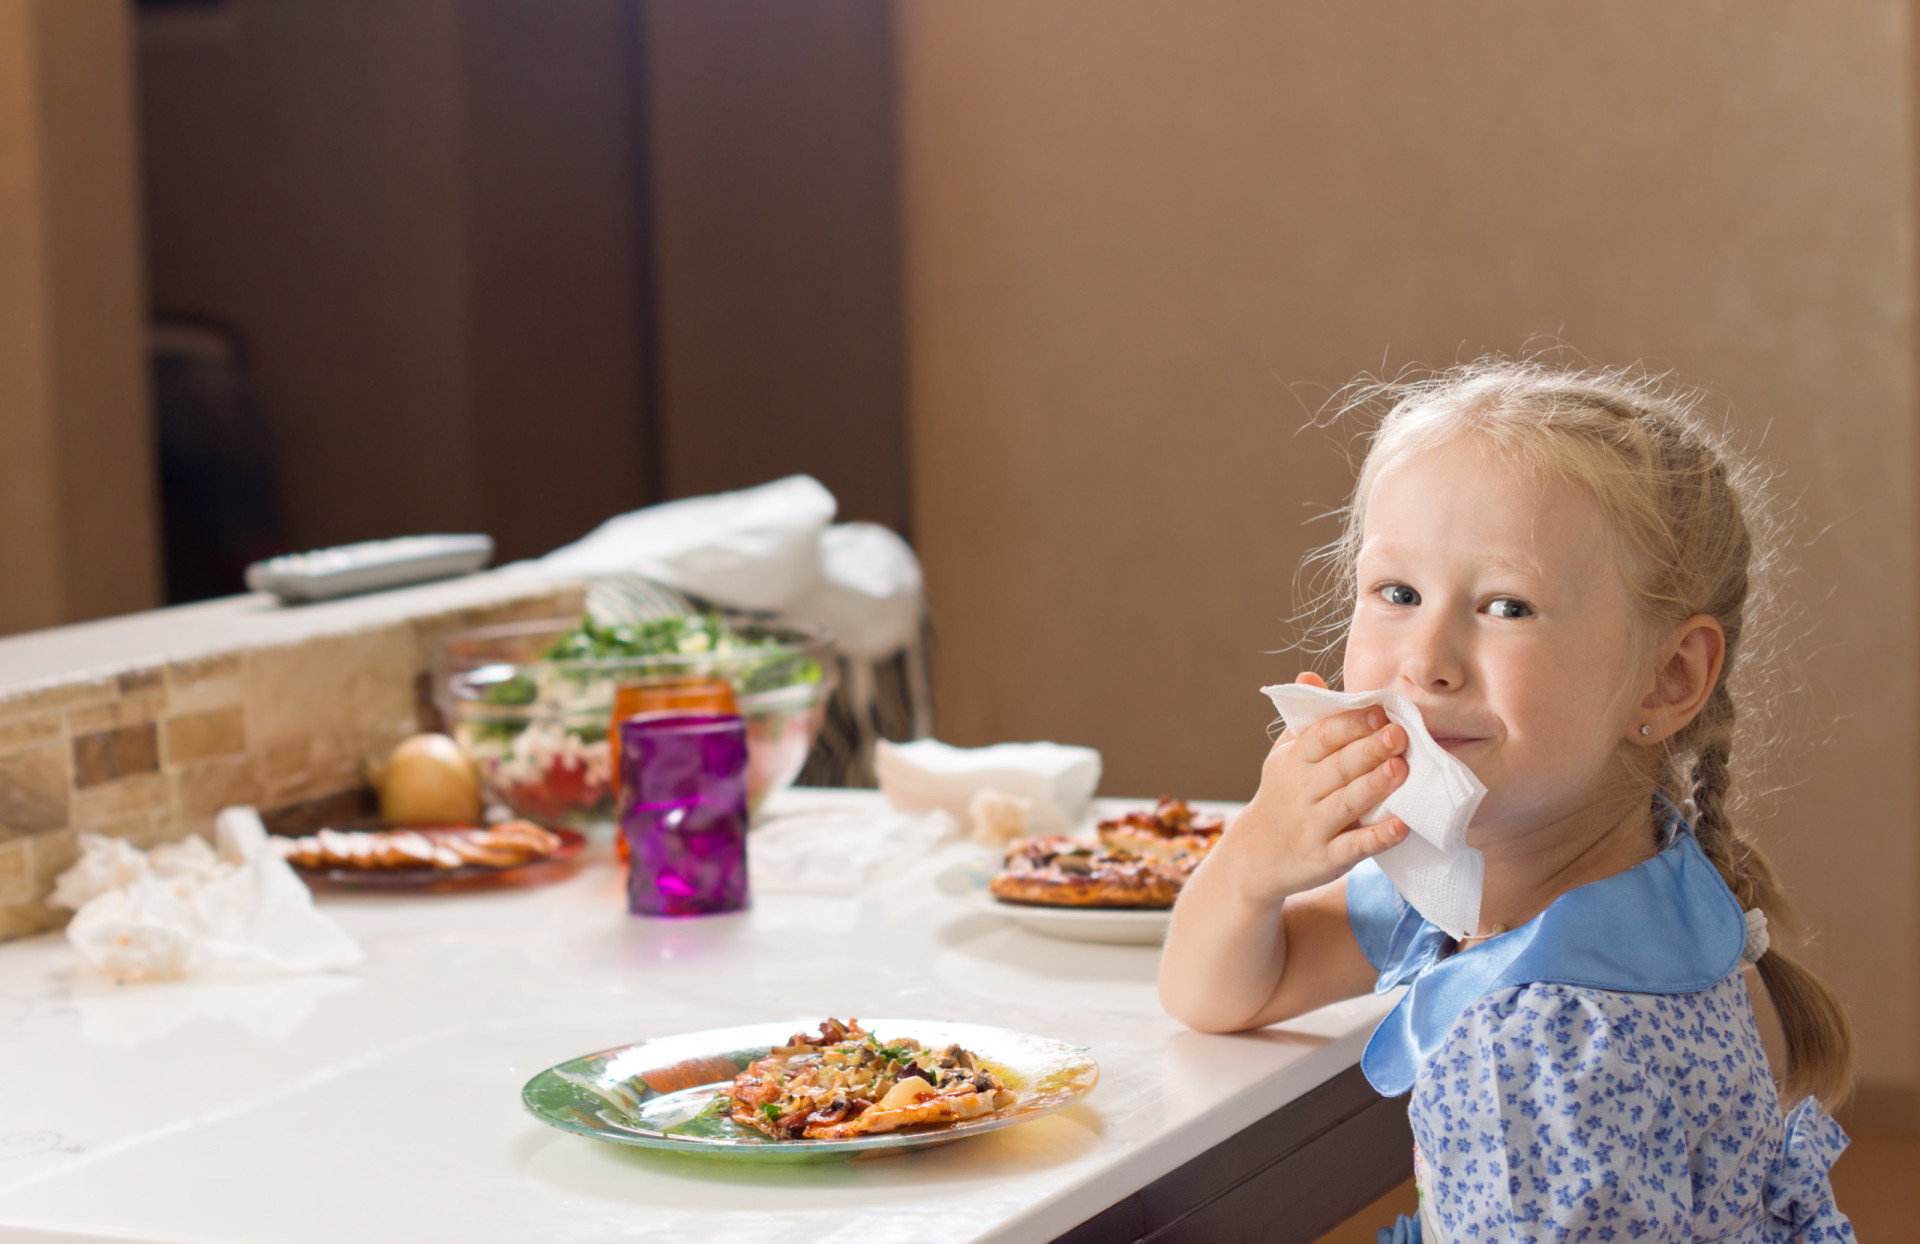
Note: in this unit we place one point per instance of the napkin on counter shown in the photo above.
(1434, 869)
(870, 593)
(835, 851)
(189, 910)
(928, 774)
(758, 548)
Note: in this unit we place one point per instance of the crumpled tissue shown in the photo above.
(187, 909)
(1434, 869)
(927, 774)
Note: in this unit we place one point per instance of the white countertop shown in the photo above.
(384, 1104)
(130, 641)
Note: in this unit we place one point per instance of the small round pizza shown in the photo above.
(1172, 830)
(1064, 872)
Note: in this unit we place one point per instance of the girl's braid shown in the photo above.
(1820, 1047)
(1740, 862)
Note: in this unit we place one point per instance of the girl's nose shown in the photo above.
(1433, 661)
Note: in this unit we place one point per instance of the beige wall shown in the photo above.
(77, 517)
(1144, 240)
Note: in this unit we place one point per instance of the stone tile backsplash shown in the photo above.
(151, 754)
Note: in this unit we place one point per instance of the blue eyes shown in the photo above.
(1505, 607)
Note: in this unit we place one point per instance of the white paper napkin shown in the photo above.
(1434, 869)
(184, 910)
(927, 774)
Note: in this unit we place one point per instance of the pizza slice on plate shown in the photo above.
(844, 1082)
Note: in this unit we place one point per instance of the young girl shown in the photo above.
(1554, 567)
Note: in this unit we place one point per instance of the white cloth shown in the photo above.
(182, 910)
(928, 774)
(756, 549)
(1434, 869)
(767, 549)
(870, 593)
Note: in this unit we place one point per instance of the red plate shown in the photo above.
(534, 872)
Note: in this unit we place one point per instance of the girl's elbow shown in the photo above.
(1195, 1014)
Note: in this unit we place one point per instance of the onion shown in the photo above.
(429, 781)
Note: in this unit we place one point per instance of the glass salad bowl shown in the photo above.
(531, 701)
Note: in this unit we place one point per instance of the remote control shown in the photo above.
(370, 567)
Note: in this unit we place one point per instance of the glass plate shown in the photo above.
(655, 1094)
(547, 868)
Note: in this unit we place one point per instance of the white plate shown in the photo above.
(1126, 926)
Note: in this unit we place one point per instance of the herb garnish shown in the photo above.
(895, 1053)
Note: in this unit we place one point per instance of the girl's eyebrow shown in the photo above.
(1494, 561)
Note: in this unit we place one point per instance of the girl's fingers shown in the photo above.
(1331, 733)
(1366, 841)
(1361, 756)
(1350, 802)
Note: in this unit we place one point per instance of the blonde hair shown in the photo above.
(1697, 537)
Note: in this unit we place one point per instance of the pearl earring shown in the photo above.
(1645, 730)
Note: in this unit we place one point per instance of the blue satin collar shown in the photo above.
(1669, 926)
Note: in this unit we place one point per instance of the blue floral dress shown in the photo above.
(1596, 1074)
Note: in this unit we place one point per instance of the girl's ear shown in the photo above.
(1689, 666)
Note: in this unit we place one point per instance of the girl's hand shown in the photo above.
(1301, 830)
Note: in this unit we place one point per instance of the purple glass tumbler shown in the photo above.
(683, 810)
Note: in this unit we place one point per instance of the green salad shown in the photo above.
(692, 635)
